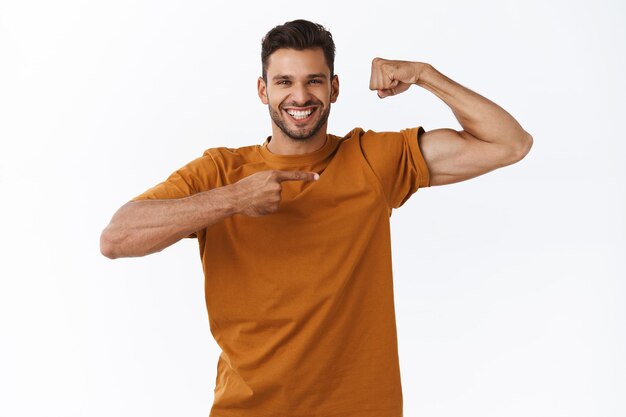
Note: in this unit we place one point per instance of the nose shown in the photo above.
(300, 93)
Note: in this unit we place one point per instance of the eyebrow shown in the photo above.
(289, 77)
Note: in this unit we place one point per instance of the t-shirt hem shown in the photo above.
(374, 412)
(418, 157)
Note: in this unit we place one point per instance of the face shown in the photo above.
(299, 91)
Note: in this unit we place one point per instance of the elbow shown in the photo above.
(522, 147)
(108, 247)
(116, 243)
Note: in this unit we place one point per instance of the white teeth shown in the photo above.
(300, 114)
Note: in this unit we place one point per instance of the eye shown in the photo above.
(316, 81)
(282, 82)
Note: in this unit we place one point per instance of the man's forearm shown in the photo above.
(143, 227)
(477, 115)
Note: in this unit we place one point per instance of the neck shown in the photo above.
(282, 144)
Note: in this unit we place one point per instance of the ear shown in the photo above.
(334, 88)
(262, 90)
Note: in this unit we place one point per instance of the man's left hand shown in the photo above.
(393, 77)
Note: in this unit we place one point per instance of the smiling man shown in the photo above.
(294, 233)
(300, 100)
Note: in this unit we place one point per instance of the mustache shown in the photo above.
(307, 104)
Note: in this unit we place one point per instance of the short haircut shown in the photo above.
(299, 35)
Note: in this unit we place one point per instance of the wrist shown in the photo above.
(222, 200)
(231, 199)
(422, 72)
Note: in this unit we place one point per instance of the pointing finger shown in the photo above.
(296, 176)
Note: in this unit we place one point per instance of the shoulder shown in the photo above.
(232, 156)
(373, 142)
(403, 134)
(227, 152)
(359, 133)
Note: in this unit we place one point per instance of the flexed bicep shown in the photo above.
(454, 156)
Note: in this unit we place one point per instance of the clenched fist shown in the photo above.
(259, 194)
(389, 77)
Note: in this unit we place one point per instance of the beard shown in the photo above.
(298, 133)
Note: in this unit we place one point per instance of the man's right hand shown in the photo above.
(139, 228)
(259, 194)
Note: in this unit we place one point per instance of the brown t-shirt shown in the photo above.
(301, 301)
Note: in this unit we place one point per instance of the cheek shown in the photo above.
(276, 100)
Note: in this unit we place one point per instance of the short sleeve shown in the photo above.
(197, 176)
(397, 161)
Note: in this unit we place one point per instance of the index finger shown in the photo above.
(296, 176)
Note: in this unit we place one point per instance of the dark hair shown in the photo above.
(299, 35)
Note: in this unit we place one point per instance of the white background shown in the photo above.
(509, 287)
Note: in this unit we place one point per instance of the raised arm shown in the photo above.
(143, 227)
(491, 138)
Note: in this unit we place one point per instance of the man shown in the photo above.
(294, 234)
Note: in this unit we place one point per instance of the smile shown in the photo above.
(301, 115)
